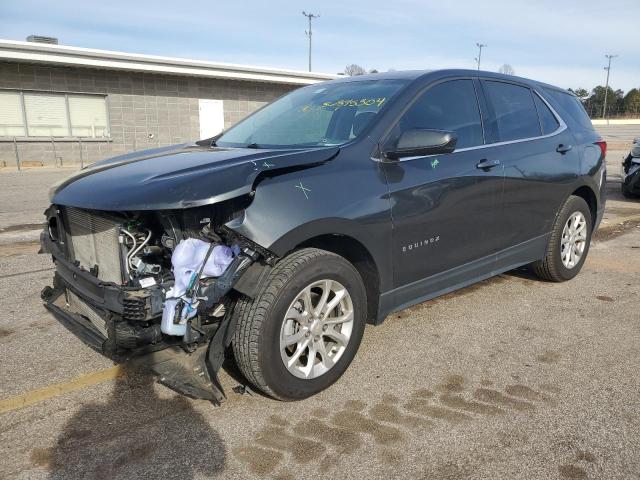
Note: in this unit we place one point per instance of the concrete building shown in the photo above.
(61, 105)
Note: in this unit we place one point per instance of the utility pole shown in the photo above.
(309, 33)
(606, 88)
(479, 57)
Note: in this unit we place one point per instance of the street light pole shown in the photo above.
(480, 47)
(309, 33)
(606, 88)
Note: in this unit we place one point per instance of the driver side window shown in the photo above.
(451, 106)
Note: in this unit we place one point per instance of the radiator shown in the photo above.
(94, 241)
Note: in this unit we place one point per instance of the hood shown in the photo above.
(180, 176)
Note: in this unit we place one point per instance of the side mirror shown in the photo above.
(421, 142)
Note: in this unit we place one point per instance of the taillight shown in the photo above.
(603, 147)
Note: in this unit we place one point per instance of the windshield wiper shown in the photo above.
(252, 145)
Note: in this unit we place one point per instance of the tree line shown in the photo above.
(619, 104)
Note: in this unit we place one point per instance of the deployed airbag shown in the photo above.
(187, 260)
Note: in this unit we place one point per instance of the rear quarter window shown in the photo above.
(572, 107)
(548, 121)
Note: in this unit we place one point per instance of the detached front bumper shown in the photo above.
(113, 320)
(123, 324)
(99, 314)
(190, 374)
(99, 329)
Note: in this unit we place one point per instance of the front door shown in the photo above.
(445, 208)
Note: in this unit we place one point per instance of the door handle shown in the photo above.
(487, 164)
(563, 148)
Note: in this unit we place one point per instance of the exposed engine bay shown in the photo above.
(631, 171)
(135, 283)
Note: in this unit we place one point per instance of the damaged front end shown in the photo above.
(153, 287)
(631, 171)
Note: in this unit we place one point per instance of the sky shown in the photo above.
(562, 42)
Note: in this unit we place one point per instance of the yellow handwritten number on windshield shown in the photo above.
(346, 102)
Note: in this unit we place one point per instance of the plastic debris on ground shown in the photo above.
(243, 390)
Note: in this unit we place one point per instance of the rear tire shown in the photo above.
(569, 245)
(289, 306)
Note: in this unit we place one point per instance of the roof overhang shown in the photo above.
(62, 55)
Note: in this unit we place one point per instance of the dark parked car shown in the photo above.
(631, 172)
(335, 205)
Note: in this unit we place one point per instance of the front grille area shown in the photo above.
(78, 306)
(94, 241)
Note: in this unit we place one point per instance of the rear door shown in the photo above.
(444, 208)
(539, 159)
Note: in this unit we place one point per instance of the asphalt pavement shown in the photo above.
(512, 378)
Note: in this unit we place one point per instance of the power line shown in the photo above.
(606, 88)
(479, 57)
(309, 33)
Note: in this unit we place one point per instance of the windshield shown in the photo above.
(318, 115)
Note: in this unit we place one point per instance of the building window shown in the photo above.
(11, 120)
(88, 116)
(36, 114)
(46, 115)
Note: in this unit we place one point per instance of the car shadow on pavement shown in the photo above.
(524, 273)
(137, 434)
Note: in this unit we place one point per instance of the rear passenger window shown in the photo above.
(450, 106)
(548, 120)
(514, 109)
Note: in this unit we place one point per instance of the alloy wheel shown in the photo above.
(316, 329)
(574, 240)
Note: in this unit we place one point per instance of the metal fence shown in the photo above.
(613, 111)
(79, 151)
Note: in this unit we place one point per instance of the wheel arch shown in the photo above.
(364, 248)
(359, 256)
(588, 195)
(351, 241)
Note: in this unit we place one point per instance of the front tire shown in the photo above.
(303, 328)
(569, 243)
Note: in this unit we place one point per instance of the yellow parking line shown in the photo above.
(36, 396)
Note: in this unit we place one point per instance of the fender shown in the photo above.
(290, 209)
(327, 226)
(583, 184)
(592, 176)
